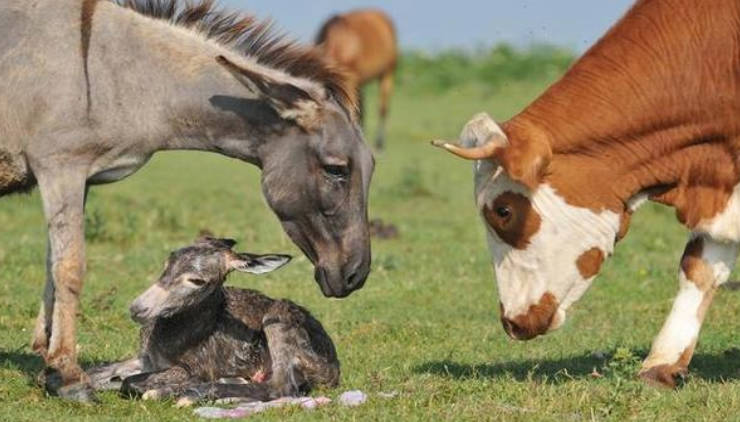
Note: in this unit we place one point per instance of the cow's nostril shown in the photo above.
(513, 329)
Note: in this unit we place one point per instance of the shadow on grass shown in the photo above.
(29, 364)
(711, 368)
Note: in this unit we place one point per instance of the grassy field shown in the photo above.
(426, 323)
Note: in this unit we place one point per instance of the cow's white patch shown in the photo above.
(680, 329)
(725, 226)
(721, 257)
(548, 263)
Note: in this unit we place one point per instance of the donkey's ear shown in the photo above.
(288, 100)
(215, 242)
(257, 264)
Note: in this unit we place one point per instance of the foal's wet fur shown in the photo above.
(205, 341)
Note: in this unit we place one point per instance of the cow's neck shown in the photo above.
(649, 109)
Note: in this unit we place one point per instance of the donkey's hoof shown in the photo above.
(664, 376)
(81, 392)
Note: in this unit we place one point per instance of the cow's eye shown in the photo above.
(503, 212)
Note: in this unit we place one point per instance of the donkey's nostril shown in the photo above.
(355, 281)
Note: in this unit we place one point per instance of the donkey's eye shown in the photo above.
(336, 171)
(197, 281)
(503, 212)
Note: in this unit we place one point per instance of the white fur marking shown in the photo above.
(725, 226)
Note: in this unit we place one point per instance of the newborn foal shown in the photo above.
(204, 341)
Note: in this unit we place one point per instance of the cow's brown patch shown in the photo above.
(666, 375)
(624, 224)
(535, 322)
(617, 130)
(521, 223)
(694, 267)
(589, 263)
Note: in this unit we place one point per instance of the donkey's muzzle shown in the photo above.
(341, 284)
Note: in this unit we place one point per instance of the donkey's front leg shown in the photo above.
(705, 265)
(63, 195)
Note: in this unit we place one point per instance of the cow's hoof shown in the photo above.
(664, 376)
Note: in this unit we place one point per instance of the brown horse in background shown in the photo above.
(363, 44)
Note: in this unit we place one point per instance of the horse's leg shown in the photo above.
(386, 89)
(63, 196)
(705, 265)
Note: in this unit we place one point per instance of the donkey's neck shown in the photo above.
(650, 108)
(163, 83)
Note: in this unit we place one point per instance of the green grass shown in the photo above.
(426, 323)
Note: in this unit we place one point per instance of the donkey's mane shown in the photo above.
(249, 36)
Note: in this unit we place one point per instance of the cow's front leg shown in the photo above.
(705, 265)
(63, 195)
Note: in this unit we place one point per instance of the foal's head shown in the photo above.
(192, 273)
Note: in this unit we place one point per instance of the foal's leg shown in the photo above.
(705, 265)
(157, 385)
(386, 89)
(63, 193)
(296, 366)
(111, 376)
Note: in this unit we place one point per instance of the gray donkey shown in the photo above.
(196, 332)
(90, 90)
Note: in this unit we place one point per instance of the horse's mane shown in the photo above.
(248, 35)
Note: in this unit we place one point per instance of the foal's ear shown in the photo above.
(257, 264)
(215, 242)
(289, 101)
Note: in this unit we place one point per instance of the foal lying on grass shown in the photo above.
(201, 340)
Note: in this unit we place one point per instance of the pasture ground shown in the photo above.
(426, 324)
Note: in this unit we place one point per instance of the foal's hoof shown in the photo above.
(664, 376)
(81, 392)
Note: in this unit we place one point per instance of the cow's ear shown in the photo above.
(526, 161)
(482, 139)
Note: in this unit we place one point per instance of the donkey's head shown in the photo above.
(545, 251)
(316, 172)
(193, 273)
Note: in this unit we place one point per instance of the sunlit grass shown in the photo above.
(426, 324)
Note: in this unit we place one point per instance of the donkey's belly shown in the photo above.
(117, 169)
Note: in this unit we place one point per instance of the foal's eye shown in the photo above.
(336, 171)
(197, 281)
(503, 212)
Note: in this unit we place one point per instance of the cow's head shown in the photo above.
(545, 251)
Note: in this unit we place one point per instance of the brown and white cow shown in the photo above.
(650, 112)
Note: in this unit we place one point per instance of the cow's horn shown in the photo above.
(485, 151)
